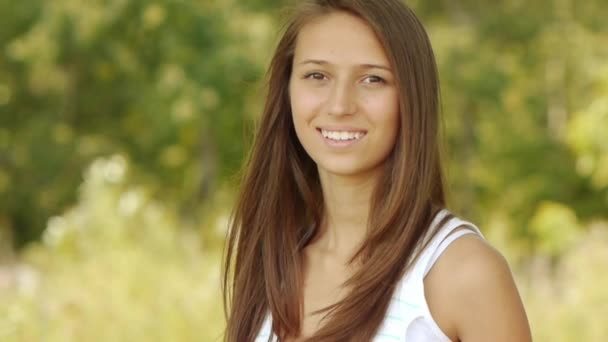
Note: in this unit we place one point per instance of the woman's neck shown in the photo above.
(347, 202)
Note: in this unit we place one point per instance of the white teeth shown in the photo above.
(342, 135)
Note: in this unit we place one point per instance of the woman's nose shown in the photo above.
(342, 100)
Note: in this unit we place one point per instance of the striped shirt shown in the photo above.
(408, 318)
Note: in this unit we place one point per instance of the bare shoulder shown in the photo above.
(472, 295)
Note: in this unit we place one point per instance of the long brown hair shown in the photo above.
(280, 204)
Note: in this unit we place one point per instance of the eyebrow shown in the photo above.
(364, 66)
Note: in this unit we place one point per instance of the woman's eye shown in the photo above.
(374, 79)
(315, 76)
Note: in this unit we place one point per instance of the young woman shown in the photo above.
(340, 232)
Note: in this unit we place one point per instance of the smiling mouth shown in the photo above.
(341, 135)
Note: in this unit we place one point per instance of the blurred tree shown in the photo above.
(165, 82)
(516, 84)
(172, 85)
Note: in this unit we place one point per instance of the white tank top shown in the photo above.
(408, 318)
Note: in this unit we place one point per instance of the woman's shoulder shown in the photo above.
(471, 292)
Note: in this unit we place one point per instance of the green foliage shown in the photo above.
(523, 92)
(555, 227)
(164, 82)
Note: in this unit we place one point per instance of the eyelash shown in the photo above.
(314, 76)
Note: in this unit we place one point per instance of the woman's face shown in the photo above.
(344, 96)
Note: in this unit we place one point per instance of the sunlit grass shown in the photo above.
(567, 300)
(120, 267)
(114, 268)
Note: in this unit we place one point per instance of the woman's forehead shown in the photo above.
(339, 38)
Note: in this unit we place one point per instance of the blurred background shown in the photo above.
(123, 125)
